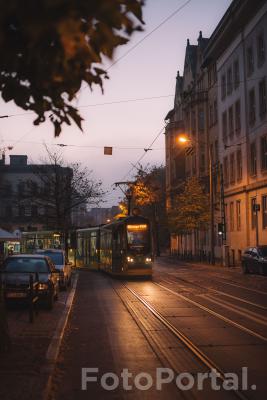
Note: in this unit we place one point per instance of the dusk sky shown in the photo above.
(147, 71)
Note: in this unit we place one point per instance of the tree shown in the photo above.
(58, 189)
(149, 195)
(190, 209)
(49, 48)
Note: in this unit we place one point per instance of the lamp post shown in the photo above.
(184, 139)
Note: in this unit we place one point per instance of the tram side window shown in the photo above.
(93, 252)
(117, 240)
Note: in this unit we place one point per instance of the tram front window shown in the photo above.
(137, 236)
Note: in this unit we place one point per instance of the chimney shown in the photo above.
(18, 160)
(3, 160)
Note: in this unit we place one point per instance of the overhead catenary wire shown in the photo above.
(125, 101)
(145, 152)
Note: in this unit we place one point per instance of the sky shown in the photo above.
(149, 70)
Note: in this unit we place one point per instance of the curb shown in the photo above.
(54, 346)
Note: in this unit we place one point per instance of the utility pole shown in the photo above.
(212, 255)
(128, 192)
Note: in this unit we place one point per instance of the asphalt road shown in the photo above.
(187, 320)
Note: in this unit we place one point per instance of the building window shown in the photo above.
(239, 165)
(193, 121)
(223, 87)
(28, 211)
(252, 107)
(15, 210)
(229, 81)
(232, 168)
(262, 98)
(236, 74)
(264, 152)
(232, 220)
(225, 171)
(21, 189)
(238, 215)
(8, 211)
(231, 121)
(215, 111)
(201, 120)
(216, 150)
(250, 61)
(21, 211)
(224, 126)
(260, 49)
(237, 117)
(211, 115)
(253, 213)
(34, 211)
(264, 212)
(253, 159)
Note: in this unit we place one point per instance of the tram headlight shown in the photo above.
(130, 259)
(148, 259)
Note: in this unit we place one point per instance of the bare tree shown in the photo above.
(56, 189)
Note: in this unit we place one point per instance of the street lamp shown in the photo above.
(184, 139)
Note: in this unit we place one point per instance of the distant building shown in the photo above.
(18, 210)
(100, 215)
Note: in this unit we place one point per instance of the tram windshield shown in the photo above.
(137, 236)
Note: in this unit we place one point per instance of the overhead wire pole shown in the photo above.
(128, 193)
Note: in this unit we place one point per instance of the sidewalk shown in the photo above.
(21, 369)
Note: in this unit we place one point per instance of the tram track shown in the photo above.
(195, 350)
(214, 313)
(219, 292)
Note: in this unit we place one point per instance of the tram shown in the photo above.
(121, 248)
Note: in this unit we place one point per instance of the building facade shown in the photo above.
(220, 103)
(239, 51)
(27, 194)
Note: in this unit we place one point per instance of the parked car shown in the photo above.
(61, 263)
(254, 260)
(16, 271)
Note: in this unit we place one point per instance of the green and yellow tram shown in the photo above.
(122, 248)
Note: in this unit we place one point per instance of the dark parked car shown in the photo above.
(16, 271)
(61, 264)
(254, 260)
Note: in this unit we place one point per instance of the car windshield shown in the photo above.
(263, 251)
(137, 235)
(25, 264)
(57, 258)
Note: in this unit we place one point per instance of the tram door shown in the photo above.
(117, 248)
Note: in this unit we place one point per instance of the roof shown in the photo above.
(5, 235)
(169, 115)
(238, 14)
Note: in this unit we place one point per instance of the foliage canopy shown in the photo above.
(190, 208)
(49, 47)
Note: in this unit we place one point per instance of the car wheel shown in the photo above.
(245, 268)
(261, 270)
(50, 301)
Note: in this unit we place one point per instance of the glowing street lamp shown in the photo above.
(183, 139)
